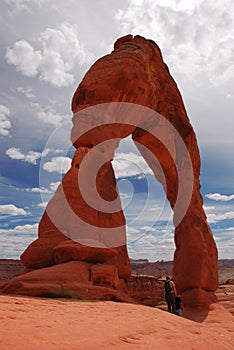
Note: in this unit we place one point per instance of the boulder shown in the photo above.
(39, 253)
(230, 281)
(144, 289)
(70, 250)
(68, 280)
(104, 275)
(48, 281)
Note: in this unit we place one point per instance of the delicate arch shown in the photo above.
(132, 77)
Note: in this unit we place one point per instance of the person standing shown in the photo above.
(170, 293)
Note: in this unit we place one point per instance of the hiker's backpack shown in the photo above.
(168, 288)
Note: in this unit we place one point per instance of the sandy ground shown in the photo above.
(225, 294)
(46, 324)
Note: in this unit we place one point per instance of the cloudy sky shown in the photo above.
(46, 48)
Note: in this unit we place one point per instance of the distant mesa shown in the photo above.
(81, 248)
(140, 261)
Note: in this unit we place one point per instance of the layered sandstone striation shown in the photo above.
(87, 231)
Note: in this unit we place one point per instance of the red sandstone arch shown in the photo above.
(133, 73)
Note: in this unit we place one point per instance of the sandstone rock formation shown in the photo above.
(9, 268)
(69, 280)
(148, 83)
(225, 295)
(135, 75)
(146, 290)
(230, 281)
(85, 281)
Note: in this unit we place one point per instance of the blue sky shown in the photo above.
(46, 48)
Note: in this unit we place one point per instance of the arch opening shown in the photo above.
(149, 217)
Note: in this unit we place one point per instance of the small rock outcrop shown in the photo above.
(74, 228)
(230, 281)
(144, 289)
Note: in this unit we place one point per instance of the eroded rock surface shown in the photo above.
(133, 73)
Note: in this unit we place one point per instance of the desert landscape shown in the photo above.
(35, 323)
(75, 286)
(10, 268)
(49, 323)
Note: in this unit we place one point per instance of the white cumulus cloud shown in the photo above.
(11, 209)
(29, 229)
(49, 115)
(42, 205)
(58, 164)
(130, 164)
(219, 197)
(59, 49)
(213, 218)
(24, 58)
(187, 33)
(42, 190)
(54, 185)
(38, 190)
(46, 151)
(29, 157)
(22, 5)
(26, 91)
(5, 123)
